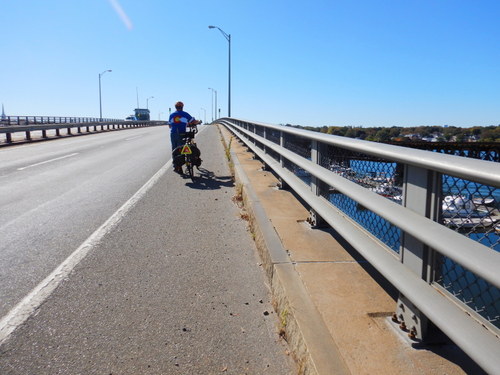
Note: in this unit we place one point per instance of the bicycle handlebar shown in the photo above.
(193, 126)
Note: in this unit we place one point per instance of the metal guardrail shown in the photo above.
(27, 120)
(88, 126)
(406, 211)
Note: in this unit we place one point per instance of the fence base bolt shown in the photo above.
(402, 326)
(413, 334)
(395, 318)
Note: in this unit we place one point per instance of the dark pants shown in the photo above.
(176, 140)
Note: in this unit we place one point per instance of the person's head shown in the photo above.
(179, 106)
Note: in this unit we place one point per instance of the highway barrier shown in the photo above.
(48, 130)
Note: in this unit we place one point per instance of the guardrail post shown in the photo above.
(421, 194)
(254, 131)
(265, 167)
(314, 219)
(282, 184)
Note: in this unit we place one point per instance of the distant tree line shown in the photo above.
(412, 134)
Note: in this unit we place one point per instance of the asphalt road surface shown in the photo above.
(54, 194)
(159, 274)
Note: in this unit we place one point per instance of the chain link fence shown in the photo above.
(472, 210)
(467, 207)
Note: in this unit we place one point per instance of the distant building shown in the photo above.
(433, 137)
(141, 114)
(472, 138)
(3, 114)
(413, 137)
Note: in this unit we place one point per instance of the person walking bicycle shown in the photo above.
(177, 122)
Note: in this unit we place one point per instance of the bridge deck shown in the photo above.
(173, 288)
(153, 298)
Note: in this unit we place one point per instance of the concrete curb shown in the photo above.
(301, 323)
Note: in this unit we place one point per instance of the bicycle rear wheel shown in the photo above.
(189, 167)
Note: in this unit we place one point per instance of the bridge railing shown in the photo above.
(428, 222)
(57, 129)
(27, 120)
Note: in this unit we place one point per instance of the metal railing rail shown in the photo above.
(89, 126)
(27, 120)
(418, 292)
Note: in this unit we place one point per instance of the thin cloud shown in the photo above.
(121, 13)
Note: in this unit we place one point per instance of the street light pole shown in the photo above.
(205, 111)
(216, 105)
(147, 101)
(212, 104)
(228, 38)
(100, 101)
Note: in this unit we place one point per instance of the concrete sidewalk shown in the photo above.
(334, 307)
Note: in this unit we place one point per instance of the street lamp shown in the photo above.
(228, 38)
(147, 101)
(214, 91)
(215, 107)
(100, 101)
(204, 110)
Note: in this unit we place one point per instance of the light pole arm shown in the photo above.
(228, 38)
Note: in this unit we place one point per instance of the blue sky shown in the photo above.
(357, 63)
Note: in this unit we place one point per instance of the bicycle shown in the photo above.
(188, 153)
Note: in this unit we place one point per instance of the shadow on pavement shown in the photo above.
(207, 180)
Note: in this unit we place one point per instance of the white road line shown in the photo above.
(132, 138)
(28, 306)
(47, 161)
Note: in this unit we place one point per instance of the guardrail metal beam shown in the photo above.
(423, 236)
(28, 129)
